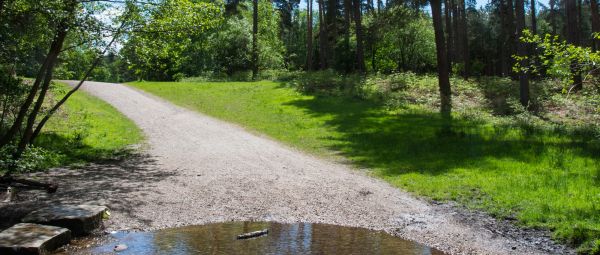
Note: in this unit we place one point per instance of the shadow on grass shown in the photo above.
(74, 150)
(415, 141)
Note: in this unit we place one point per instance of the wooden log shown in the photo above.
(49, 187)
(253, 234)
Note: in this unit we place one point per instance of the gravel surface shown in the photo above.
(196, 169)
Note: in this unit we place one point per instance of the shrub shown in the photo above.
(33, 159)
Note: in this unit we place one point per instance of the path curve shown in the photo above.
(206, 170)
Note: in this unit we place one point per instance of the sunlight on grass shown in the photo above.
(87, 129)
(542, 178)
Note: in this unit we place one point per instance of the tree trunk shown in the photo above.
(457, 45)
(255, 40)
(322, 36)
(28, 133)
(331, 29)
(522, 51)
(553, 16)
(595, 23)
(40, 126)
(573, 38)
(16, 126)
(347, 10)
(450, 37)
(442, 62)
(360, 55)
(309, 35)
(533, 17)
(465, 39)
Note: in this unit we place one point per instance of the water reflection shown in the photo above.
(299, 238)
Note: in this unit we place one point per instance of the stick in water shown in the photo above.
(253, 234)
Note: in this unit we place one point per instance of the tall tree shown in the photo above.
(360, 53)
(533, 17)
(553, 24)
(255, 39)
(450, 35)
(323, 37)
(522, 51)
(573, 37)
(595, 23)
(331, 29)
(508, 36)
(309, 35)
(464, 38)
(347, 25)
(442, 61)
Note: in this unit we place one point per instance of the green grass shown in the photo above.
(543, 177)
(87, 129)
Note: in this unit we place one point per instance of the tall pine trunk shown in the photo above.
(450, 36)
(522, 51)
(595, 23)
(442, 61)
(322, 36)
(464, 39)
(573, 38)
(360, 55)
(309, 36)
(457, 52)
(347, 11)
(255, 40)
(331, 29)
(533, 17)
(553, 24)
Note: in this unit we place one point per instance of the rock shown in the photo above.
(80, 219)
(29, 238)
(120, 247)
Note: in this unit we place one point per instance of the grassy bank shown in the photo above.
(540, 174)
(85, 129)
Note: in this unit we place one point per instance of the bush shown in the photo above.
(12, 93)
(33, 159)
(328, 82)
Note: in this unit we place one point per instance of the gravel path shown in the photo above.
(199, 170)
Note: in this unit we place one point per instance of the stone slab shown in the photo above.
(80, 219)
(29, 238)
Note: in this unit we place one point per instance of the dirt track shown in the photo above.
(197, 169)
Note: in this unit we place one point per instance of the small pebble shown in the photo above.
(120, 247)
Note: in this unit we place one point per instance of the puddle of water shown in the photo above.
(298, 238)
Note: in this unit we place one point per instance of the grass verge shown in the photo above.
(541, 176)
(85, 129)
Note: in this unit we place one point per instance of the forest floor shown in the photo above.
(197, 169)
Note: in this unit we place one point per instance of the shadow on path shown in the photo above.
(121, 185)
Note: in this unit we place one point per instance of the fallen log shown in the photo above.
(253, 234)
(49, 187)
